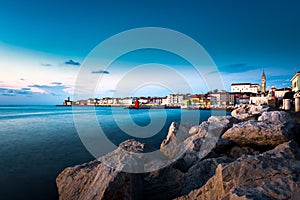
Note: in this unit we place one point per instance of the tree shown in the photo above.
(213, 91)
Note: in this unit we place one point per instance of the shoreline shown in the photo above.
(255, 146)
(227, 108)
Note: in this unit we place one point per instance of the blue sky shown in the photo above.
(44, 43)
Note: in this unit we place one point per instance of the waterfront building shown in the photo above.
(81, 102)
(250, 88)
(164, 101)
(240, 98)
(245, 88)
(156, 100)
(175, 99)
(115, 100)
(144, 100)
(193, 100)
(258, 100)
(296, 82)
(106, 100)
(274, 97)
(221, 99)
(92, 101)
(126, 101)
(68, 102)
(279, 93)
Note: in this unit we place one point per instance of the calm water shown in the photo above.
(38, 142)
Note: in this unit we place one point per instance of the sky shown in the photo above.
(45, 44)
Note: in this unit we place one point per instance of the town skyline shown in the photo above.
(42, 52)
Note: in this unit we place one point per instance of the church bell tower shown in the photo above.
(263, 82)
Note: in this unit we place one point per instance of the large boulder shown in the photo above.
(200, 173)
(196, 164)
(277, 116)
(248, 111)
(271, 175)
(105, 179)
(258, 133)
(172, 146)
(95, 180)
(197, 142)
(236, 151)
(165, 183)
(226, 121)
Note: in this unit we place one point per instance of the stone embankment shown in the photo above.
(253, 154)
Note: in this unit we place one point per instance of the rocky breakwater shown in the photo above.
(247, 111)
(226, 157)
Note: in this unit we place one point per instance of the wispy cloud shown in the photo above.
(283, 77)
(238, 68)
(111, 90)
(53, 89)
(55, 94)
(49, 86)
(46, 64)
(100, 72)
(56, 83)
(14, 92)
(8, 94)
(72, 62)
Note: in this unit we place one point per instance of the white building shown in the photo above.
(157, 100)
(164, 101)
(222, 99)
(92, 101)
(126, 101)
(143, 100)
(258, 100)
(279, 93)
(175, 99)
(296, 82)
(81, 102)
(245, 88)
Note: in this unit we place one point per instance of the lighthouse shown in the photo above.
(136, 104)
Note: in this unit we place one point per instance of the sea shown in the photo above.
(38, 142)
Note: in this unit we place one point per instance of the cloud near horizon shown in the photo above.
(45, 94)
(55, 88)
(15, 92)
(56, 83)
(46, 64)
(100, 72)
(49, 86)
(72, 62)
